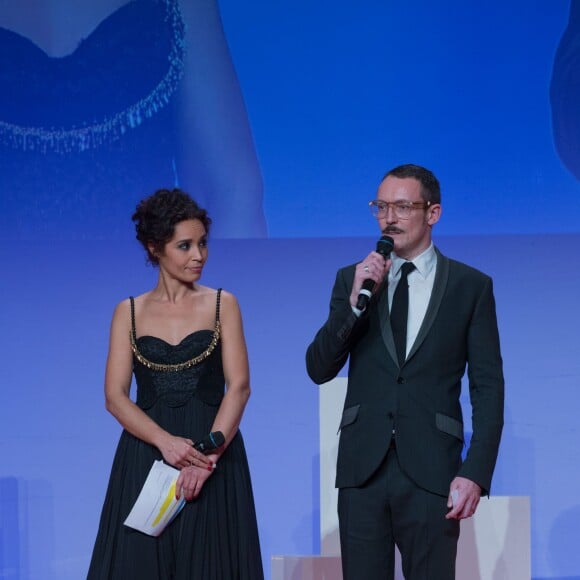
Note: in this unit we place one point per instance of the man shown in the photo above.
(400, 475)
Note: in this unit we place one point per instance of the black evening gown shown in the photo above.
(215, 537)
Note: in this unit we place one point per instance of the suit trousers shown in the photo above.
(390, 509)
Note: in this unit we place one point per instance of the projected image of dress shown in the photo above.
(148, 98)
(565, 94)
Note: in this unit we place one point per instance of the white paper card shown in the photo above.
(156, 505)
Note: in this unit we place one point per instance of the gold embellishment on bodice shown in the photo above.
(179, 366)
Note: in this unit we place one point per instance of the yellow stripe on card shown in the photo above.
(165, 505)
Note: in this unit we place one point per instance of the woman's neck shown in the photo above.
(169, 289)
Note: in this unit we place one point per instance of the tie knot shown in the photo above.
(406, 269)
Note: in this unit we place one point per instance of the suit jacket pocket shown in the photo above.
(349, 416)
(449, 425)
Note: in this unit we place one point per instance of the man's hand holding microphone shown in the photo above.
(370, 273)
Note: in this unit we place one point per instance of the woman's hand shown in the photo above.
(179, 452)
(191, 480)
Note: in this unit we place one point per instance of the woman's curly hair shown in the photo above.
(157, 215)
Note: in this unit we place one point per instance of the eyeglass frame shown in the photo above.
(397, 205)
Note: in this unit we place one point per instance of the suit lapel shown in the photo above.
(384, 322)
(439, 285)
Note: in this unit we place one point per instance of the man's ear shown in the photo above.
(433, 214)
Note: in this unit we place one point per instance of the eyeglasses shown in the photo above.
(402, 209)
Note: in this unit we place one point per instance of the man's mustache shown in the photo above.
(392, 230)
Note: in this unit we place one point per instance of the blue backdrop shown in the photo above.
(282, 121)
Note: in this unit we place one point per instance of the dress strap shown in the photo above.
(133, 328)
(217, 306)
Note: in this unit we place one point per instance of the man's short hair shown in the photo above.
(430, 188)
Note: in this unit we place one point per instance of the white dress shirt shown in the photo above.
(421, 281)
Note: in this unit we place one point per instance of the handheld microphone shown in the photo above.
(210, 442)
(384, 247)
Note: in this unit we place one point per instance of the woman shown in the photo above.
(182, 341)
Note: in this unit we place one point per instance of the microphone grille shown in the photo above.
(385, 246)
(218, 438)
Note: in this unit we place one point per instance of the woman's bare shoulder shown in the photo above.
(123, 308)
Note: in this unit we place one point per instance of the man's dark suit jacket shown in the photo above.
(419, 401)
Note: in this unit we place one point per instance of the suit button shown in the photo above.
(390, 415)
(400, 381)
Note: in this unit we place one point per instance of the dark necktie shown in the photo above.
(400, 312)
